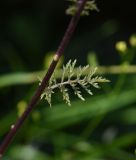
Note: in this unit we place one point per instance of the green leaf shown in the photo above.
(61, 116)
(89, 6)
(27, 153)
(74, 80)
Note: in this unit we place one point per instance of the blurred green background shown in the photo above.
(101, 128)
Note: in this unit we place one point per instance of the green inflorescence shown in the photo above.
(89, 6)
(75, 79)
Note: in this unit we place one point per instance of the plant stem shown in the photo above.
(69, 32)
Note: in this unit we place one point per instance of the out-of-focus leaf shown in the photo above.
(124, 140)
(92, 59)
(27, 153)
(18, 78)
(22, 78)
(129, 116)
(31, 77)
(61, 116)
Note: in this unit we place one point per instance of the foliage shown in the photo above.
(74, 80)
(90, 5)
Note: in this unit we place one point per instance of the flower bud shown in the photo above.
(132, 40)
(121, 47)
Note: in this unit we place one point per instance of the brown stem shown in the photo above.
(69, 32)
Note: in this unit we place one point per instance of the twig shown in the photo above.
(69, 32)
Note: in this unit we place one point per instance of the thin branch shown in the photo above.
(69, 32)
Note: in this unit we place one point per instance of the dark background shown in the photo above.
(33, 28)
(30, 30)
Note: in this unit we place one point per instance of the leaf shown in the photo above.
(89, 6)
(73, 80)
(61, 116)
(65, 95)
